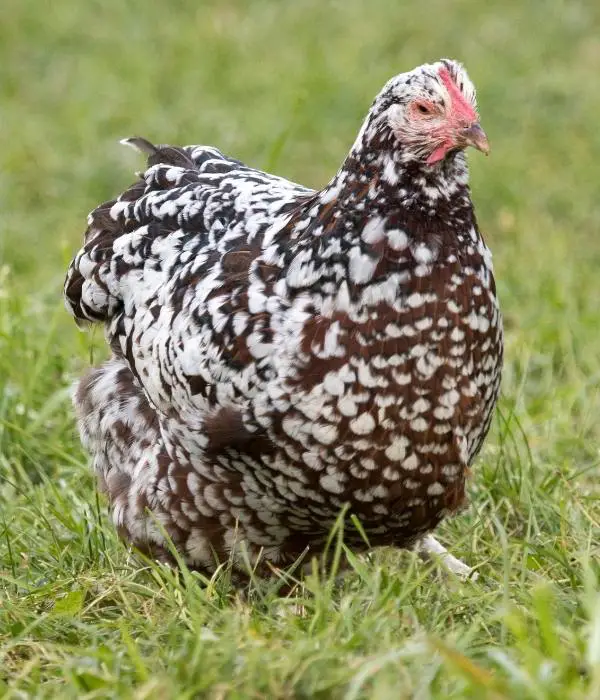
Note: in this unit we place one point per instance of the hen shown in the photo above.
(280, 353)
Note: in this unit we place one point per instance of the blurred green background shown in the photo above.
(284, 86)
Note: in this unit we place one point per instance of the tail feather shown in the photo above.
(89, 288)
(163, 155)
(140, 144)
(92, 288)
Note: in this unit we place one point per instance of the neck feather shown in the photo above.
(381, 177)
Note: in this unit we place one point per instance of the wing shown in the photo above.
(175, 268)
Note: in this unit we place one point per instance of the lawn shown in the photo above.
(285, 86)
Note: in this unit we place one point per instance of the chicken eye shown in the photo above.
(424, 109)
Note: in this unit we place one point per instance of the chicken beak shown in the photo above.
(475, 136)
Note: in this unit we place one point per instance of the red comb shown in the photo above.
(460, 106)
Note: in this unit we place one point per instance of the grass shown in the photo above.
(285, 86)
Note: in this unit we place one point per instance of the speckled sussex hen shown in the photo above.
(280, 353)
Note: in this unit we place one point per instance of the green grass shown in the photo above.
(285, 86)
